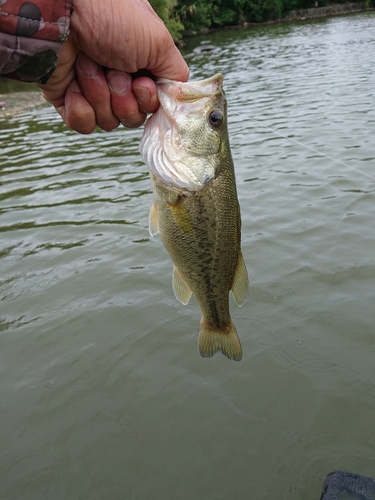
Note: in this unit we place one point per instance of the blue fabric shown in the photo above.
(342, 485)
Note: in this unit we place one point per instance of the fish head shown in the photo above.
(183, 139)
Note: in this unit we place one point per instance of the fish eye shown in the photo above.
(215, 118)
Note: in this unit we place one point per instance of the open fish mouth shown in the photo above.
(173, 95)
(190, 91)
(168, 145)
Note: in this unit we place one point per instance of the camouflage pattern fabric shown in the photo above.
(31, 36)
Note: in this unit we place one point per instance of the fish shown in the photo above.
(185, 145)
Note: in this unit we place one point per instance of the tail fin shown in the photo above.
(212, 340)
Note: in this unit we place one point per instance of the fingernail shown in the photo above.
(142, 94)
(87, 65)
(118, 82)
(74, 87)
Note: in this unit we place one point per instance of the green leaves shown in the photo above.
(167, 10)
(190, 15)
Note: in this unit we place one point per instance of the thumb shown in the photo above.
(171, 66)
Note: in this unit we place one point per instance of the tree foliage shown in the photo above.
(167, 10)
(194, 15)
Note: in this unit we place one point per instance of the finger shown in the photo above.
(124, 104)
(77, 112)
(94, 87)
(144, 89)
(54, 90)
(171, 65)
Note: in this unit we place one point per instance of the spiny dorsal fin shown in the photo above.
(240, 287)
(153, 221)
(180, 288)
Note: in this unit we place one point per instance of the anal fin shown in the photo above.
(240, 287)
(180, 288)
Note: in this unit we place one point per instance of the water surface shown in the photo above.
(103, 393)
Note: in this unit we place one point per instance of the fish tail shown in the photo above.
(212, 340)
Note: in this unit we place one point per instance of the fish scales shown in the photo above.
(210, 245)
(195, 209)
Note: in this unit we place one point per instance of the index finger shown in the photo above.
(144, 89)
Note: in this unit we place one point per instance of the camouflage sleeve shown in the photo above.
(31, 36)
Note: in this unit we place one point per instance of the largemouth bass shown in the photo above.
(186, 148)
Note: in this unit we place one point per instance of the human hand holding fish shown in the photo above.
(185, 145)
(97, 80)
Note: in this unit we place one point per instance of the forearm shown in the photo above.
(31, 37)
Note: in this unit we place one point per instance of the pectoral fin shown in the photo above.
(153, 221)
(240, 287)
(180, 288)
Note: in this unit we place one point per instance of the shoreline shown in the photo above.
(296, 15)
(328, 11)
(13, 103)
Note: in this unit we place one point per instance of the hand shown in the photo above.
(110, 41)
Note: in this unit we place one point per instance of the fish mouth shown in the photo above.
(160, 146)
(190, 91)
(172, 96)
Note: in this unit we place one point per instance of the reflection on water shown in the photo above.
(103, 393)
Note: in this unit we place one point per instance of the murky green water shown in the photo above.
(103, 393)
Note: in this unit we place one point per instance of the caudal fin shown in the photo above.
(212, 340)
